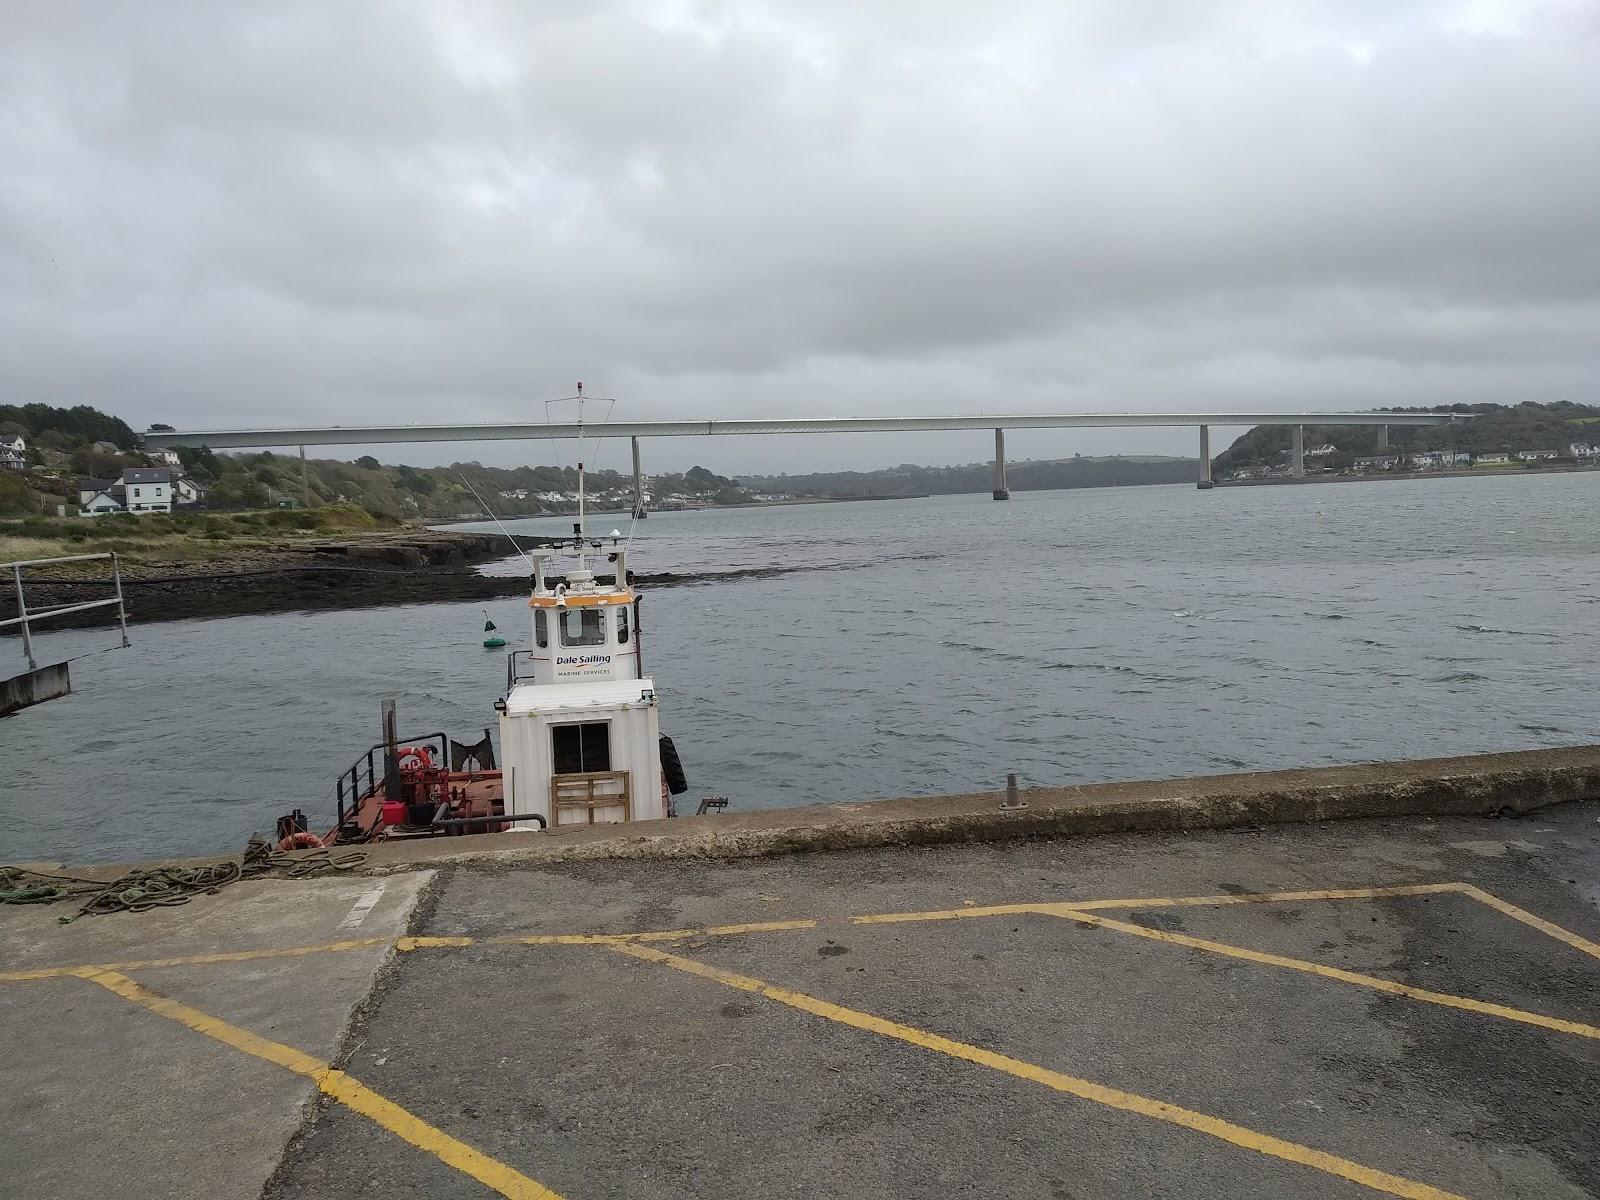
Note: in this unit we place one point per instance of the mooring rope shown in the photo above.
(165, 886)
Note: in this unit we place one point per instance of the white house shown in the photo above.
(1463, 458)
(170, 457)
(1582, 450)
(11, 460)
(1537, 455)
(97, 497)
(13, 442)
(1493, 458)
(140, 490)
(147, 489)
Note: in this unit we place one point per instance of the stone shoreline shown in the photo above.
(425, 567)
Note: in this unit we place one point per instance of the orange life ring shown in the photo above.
(300, 841)
(423, 754)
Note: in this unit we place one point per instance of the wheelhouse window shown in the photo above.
(583, 627)
(622, 626)
(541, 629)
(580, 748)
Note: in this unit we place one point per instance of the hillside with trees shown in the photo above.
(65, 445)
(1494, 428)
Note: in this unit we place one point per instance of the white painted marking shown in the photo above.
(363, 906)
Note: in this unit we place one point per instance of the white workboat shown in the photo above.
(580, 734)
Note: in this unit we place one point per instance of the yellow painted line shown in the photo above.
(759, 927)
(1236, 1135)
(653, 935)
(1528, 919)
(1369, 893)
(349, 1092)
(946, 914)
(590, 939)
(1388, 986)
(490, 1172)
(189, 960)
(406, 944)
(997, 910)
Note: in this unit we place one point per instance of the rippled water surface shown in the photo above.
(918, 647)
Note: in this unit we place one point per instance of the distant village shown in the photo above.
(1580, 453)
(621, 498)
(161, 486)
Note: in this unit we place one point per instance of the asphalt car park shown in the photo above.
(1371, 1008)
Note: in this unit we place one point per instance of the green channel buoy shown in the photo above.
(493, 641)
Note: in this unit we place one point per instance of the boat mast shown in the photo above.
(581, 558)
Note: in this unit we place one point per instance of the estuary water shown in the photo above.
(906, 647)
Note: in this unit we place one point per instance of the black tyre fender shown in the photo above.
(672, 768)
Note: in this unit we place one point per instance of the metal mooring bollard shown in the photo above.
(1011, 800)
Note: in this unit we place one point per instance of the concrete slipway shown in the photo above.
(1227, 992)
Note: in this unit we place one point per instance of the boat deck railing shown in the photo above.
(373, 769)
(519, 666)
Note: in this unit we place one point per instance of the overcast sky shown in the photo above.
(341, 213)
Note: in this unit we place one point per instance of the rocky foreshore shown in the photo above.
(347, 572)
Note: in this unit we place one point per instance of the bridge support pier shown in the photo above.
(639, 513)
(305, 481)
(1297, 453)
(1383, 439)
(1001, 491)
(1206, 483)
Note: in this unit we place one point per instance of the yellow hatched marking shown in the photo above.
(1226, 1131)
(1388, 986)
(353, 1094)
(189, 960)
(1528, 919)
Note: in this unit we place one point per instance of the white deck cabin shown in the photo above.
(579, 729)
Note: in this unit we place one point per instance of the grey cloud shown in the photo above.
(299, 212)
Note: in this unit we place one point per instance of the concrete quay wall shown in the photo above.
(1474, 785)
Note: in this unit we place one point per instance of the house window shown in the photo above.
(541, 628)
(578, 748)
(135, 493)
(583, 627)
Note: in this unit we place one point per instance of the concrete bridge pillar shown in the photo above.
(1205, 483)
(1297, 456)
(1001, 491)
(639, 513)
(1383, 439)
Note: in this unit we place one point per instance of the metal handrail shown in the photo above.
(514, 675)
(25, 618)
(374, 779)
(45, 562)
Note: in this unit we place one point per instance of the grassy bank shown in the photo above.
(153, 539)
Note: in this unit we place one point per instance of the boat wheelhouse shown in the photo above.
(580, 734)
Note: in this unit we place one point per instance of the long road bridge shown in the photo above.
(362, 435)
